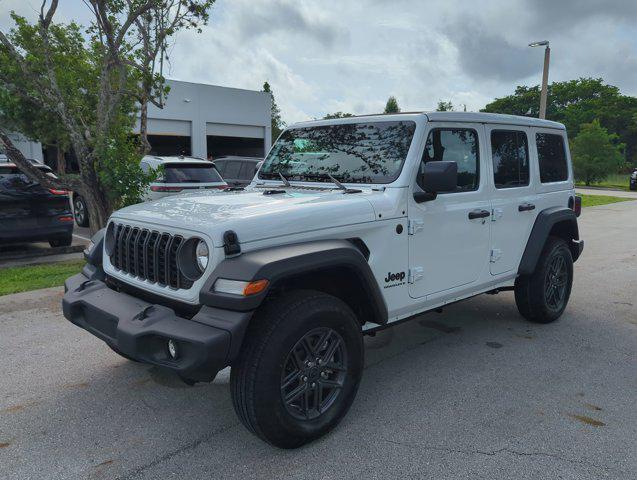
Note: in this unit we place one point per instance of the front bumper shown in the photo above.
(206, 343)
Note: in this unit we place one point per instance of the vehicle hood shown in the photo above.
(253, 215)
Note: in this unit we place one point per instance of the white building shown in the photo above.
(203, 120)
(199, 120)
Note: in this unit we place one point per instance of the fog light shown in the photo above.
(172, 349)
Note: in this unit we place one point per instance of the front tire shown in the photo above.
(299, 368)
(542, 296)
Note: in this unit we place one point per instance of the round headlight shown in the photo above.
(201, 252)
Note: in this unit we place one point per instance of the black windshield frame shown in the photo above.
(371, 152)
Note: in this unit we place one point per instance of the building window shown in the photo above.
(551, 155)
(510, 154)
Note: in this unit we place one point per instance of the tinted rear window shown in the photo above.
(510, 152)
(12, 177)
(190, 173)
(552, 157)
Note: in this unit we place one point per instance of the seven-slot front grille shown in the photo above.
(148, 255)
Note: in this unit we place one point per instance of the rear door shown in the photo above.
(513, 195)
(449, 236)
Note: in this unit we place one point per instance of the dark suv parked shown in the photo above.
(30, 212)
(238, 171)
(633, 180)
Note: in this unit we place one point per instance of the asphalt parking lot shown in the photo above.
(474, 392)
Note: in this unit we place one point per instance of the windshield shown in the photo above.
(189, 173)
(371, 152)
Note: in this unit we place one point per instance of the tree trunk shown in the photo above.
(143, 125)
(98, 211)
(60, 160)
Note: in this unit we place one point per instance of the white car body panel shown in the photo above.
(453, 251)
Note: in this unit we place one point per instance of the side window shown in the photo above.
(232, 169)
(510, 152)
(552, 157)
(458, 145)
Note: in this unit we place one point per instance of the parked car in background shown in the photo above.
(181, 174)
(176, 175)
(633, 180)
(30, 212)
(238, 171)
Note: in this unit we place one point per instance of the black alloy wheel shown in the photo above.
(314, 373)
(555, 283)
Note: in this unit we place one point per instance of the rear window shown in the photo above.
(551, 155)
(14, 173)
(190, 173)
(232, 169)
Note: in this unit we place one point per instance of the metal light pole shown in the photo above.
(545, 74)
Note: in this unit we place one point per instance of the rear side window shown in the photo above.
(510, 153)
(190, 173)
(551, 155)
(457, 145)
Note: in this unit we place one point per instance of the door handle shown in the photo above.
(525, 207)
(478, 214)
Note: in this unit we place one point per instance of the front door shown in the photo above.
(513, 196)
(449, 236)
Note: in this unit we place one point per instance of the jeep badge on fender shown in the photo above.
(314, 256)
(395, 277)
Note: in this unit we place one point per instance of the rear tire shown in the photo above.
(299, 368)
(542, 296)
(61, 241)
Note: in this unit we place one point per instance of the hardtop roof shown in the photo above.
(475, 117)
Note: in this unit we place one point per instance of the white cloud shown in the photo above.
(327, 56)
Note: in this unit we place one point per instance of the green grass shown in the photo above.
(616, 180)
(32, 277)
(595, 200)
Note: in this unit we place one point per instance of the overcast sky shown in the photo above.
(321, 56)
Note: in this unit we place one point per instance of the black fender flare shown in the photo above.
(281, 262)
(544, 223)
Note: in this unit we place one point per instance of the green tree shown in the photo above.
(444, 106)
(339, 114)
(596, 153)
(392, 105)
(277, 122)
(576, 102)
(88, 83)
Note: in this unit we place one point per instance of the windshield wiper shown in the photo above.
(343, 187)
(285, 180)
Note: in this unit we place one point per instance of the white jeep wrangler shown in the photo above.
(349, 226)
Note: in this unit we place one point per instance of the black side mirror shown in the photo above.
(438, 177)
